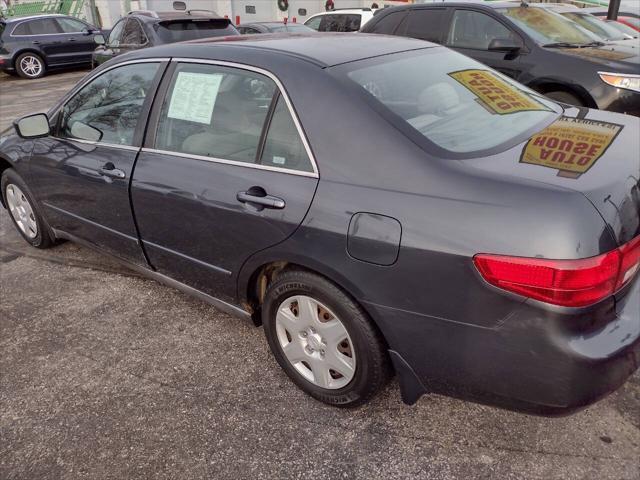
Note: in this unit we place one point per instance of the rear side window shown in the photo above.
(107, 109)
(283, 147)
(44, 26)
(425, 24)
(388, 24)
(22, 29)
(182, 30)
(2, 26)
(222, 113)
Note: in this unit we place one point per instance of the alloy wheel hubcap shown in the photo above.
(315, 342)
(31, 66)
(21, 211)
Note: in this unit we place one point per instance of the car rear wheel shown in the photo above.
(565, 97)
(23, 211)
(30, 65)
(323, 340)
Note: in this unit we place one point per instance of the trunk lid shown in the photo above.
(591, 151)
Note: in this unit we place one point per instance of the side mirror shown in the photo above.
(504, 45)
(99, 39)
(32, 126)
(179, 6)
(83, 131)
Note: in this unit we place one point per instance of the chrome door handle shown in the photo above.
(109, 170)
(266, 201)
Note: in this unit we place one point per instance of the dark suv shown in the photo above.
(146, 28)
(29, 46)
(537, 47)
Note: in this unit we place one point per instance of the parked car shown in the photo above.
(146, 28)
(478, 237)
(537, 47)
(272, 27)
(340, 20)
(626, 15)
(30, 46)
(622, 27)
(595, 25)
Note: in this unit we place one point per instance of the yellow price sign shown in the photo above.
(570, 144)
(495, 94)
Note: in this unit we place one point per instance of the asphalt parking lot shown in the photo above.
(104, 374)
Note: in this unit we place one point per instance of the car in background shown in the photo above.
(541, 49)
(478, 238)
(146, 28)
(590, 22)
(632, 32)
(340, 20)
(31, 46)
(272, 27)
(627, 15)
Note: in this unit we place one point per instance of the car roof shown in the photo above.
(322, 49)
(33, 17)
(345, 11)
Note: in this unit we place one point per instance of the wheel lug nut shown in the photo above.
(322, 352)
(303, 334)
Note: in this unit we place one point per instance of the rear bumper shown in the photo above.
(536, 361)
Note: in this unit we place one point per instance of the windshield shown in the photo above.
(547, 27)
(595, 25)
(453, 101)
(182, 30)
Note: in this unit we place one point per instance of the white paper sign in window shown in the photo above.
(194, 96)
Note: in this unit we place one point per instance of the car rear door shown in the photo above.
(226, 171)
(81, 173)
(471, 32)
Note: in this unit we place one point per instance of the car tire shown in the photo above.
(30, 65)
(565, 97)
(24, 211)
(307, 346)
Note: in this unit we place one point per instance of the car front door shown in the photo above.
(111, 48)
(472, 31)
(81, 173)
(225, 172)
(78, 40)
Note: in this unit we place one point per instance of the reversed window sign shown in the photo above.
(250, 9)
(194, 96)
(494, 94)
(570, 145)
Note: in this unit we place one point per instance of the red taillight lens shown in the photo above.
(569, 283)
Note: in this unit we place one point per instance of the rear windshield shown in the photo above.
(182, 30)
(454, 102)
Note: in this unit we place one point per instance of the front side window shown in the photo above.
(475, 30)
(108, 108)
(314, 22)
(221, 113)
(116, 34)
(451, 100)
(548, 28)
(70, 25)
(133, 33)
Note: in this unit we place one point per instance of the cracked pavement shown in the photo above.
(105, 374)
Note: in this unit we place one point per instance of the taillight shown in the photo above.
(569, 283)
